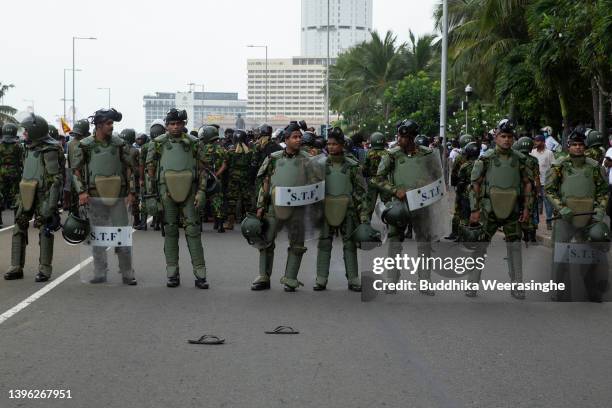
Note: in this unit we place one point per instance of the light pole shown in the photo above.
(468, 92)
(64, 99)
(109, 93)
(266, 47)
(327, 77)
(73, 75)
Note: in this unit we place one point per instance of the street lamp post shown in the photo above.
(64, 99)
(73, 75)
(266, 47)
(468, 92)
(327, 76)
(109, 96)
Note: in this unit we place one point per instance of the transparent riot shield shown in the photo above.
(581, 266)
(106, 253)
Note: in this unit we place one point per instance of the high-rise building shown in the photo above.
(295, 90)
(221, 108)
(350, 23)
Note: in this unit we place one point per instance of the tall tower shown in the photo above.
(350, 24)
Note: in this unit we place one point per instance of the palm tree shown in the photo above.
(6, 112)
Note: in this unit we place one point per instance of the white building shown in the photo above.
(221, 108)
(350, 24)
(295, 90)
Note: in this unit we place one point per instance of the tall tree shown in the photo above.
(6, 112)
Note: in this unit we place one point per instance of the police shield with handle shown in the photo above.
(413, 175)
(104, 179)
(39, 193)
(289, 188)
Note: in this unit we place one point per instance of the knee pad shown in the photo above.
(171, 230)
(325, 244)
(192, 230)
(297, 250)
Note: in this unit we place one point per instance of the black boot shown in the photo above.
(40, 277)
(201, 283)
(173, 281)
(14, 274)
(220, 228)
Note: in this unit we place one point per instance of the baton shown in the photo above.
(558, 217)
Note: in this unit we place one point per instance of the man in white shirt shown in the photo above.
(545, 159)
(551, 142)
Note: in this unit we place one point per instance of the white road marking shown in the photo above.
(46, 289)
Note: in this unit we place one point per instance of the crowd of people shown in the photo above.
(182, 179)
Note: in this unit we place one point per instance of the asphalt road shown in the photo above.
(119, 346)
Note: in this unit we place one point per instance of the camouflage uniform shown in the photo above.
(463, 192)
(240, 192)
(214, 157)
(11, 164)
(531, 225)
(370, 167)
(459, 161)
(596, 153)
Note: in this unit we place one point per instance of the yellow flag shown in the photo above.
(65, 126)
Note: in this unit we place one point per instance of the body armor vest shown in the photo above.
(106, 172)
(177, 168)
(577, 191)
(502, 184)
(411, 172)
(288, 172)
(338, 190)
(32, 179)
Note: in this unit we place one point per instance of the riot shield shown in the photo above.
(428, 204)
(106, 252)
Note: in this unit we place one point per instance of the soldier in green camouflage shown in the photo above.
(240, 190)
(157, 128)
(529, 227)
(129, 137)
(39, 193)
(457, 163)
(462, 188)
(596, 144)
(370, 167)
(574, 185)
(346, 206)
(501, 196)
(215, 160)
(11, 164)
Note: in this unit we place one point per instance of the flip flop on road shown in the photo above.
(207, 339)
(283, 330)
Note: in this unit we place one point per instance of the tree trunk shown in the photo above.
(602, 127)
(565, 116)
(595, 98)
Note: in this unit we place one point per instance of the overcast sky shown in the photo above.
(144, 47)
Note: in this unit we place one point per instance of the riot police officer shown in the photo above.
(11, 163)
(216, 162)
(501, 187)
(457, 163)
(596, 145)
(104, 178)
(345, 207)
(40, 188)
(240, 188)
(281, 169)
(129, 137)
(174, 162)
(370, 167)
(529, 227)
(79, 131)
(576, 185)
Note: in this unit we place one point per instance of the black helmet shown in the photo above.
(377, 141)
(53, 132)
(408, 128)
(265, 130)
(505, 126)
(254, 231)
(471, 235)
(319, 142)
(208, 134)
(36, 126)
(577, 136)
(240, 136)
(471, 150)
(396, 213)
(128, 135)
(595, 139)
(143, 136)
(422, 140)
(308, 139)
(103, 115)
(337, 134)
(81, 128)
(176, 115)
(75, 229)
(9, 129)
